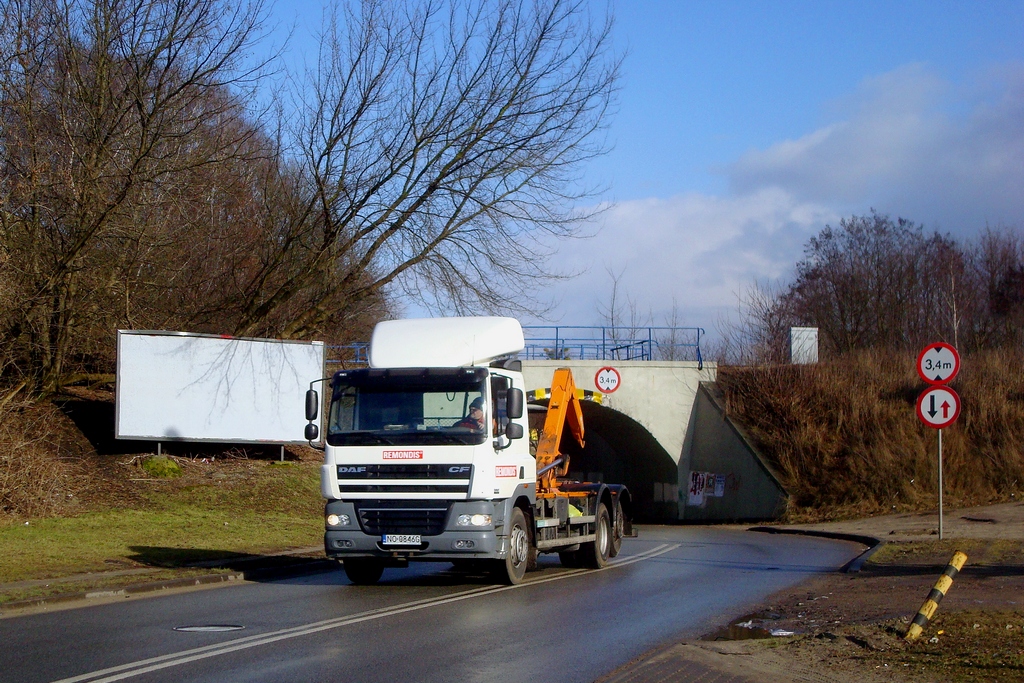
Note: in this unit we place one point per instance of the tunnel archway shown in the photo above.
(620, 450)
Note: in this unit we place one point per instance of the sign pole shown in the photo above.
(937, 365)
(940, 484)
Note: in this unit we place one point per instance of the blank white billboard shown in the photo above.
(177, 386)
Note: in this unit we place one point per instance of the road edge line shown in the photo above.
(851, 567)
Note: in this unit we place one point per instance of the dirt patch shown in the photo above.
(850, 627)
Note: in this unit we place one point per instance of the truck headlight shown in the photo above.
(473, 520)
(338, 520)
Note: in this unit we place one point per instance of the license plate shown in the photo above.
(401, 539)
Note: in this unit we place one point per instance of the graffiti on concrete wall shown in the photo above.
(705, 485)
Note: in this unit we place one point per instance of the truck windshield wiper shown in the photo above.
(368, 436)
(445, 437)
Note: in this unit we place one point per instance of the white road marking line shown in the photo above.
(178, 658)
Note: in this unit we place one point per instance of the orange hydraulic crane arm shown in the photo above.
(563, 410)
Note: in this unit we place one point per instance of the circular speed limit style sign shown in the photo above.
(607, 380)
(938, 407)
(938, 363)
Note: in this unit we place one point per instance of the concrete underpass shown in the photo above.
(663, 424)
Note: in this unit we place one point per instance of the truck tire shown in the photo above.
(363, 571)
(618, 530)
(512, 569)
(595, 554)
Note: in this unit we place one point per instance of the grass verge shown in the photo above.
(213, 515)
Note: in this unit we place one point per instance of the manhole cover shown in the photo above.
(209, 628)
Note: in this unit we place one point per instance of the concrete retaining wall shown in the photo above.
(742, 486)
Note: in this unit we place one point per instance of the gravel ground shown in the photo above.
(850, 627)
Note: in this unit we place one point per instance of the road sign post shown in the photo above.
(938, 406)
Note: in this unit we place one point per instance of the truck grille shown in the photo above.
(405, 478)
(404, 471)
(402, 517)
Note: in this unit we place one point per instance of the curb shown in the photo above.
(851, 567)
(257, 574)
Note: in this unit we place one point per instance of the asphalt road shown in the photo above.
(426, 623)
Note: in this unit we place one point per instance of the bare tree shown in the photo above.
(671, 342)
(996, 313)
(623, 317)
(438, 153)
(760, 332)
(878, 283)
(104, 106)
(434, 150)
(875, 282)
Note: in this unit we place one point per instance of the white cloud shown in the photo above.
(698, 249)
(912, 145)
(906, 143)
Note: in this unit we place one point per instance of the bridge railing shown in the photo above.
(575, 342)
(355, 355)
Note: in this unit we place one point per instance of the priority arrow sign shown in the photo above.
(938, 406)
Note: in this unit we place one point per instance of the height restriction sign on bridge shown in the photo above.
(607, 380)
(938, 407)
(938, 363)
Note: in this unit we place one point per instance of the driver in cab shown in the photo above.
(475, 419)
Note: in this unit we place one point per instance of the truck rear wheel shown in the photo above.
(363, 571)
(512, 569)
(595, 554)
(618, 530)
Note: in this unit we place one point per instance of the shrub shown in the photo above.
(161, 466)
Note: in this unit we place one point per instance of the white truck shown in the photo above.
(427, 458)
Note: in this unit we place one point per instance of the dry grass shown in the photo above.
(845, 438)
(34, 478)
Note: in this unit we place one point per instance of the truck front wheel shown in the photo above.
(363, 571)
(595, 554)
(512, 569)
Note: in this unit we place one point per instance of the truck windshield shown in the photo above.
(408, 407)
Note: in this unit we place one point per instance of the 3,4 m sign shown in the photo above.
(938, 363)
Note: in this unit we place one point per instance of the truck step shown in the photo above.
(583, 519)
(572, 540)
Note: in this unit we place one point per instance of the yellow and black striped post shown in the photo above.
(931, 605)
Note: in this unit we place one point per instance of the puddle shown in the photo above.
(750, 627)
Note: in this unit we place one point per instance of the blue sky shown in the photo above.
(705, 82)
(744, 127)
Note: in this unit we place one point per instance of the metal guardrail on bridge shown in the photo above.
(577, 342)
(568, 342)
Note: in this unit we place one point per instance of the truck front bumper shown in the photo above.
(452, 543)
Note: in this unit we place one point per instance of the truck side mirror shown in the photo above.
(312, 432)
(514, 404)
(514, 430)
(312, 406)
